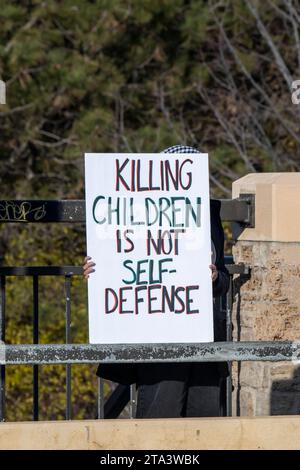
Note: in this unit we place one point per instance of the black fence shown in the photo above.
(240, 211)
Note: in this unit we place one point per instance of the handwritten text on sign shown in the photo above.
(148, 231)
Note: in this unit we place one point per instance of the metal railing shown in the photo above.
(240, 211)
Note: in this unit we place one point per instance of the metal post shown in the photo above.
(35, 286)
(2, 338)
(229, 303)
(100, 399)
(68, 340)
(133, 400)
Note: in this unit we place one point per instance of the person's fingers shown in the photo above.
(87, 272)
(214, 271)
(88, 265)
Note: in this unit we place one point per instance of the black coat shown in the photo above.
(127, 373)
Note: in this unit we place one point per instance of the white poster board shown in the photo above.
(148, 231)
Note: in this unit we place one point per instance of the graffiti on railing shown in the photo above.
(21, 211)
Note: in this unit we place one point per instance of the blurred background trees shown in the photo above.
(130, 76)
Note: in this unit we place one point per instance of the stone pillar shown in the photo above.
(267, 306)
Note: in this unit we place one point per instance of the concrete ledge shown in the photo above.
(280, 432)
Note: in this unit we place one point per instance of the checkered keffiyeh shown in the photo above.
(180, 149)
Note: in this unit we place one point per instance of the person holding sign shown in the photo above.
(149, 288)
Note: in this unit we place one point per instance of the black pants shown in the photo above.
(179, 390)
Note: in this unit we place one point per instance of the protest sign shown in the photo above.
(148, 231)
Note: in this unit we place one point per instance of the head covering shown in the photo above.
(180, 149)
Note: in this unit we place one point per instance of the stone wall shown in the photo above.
(267, 305)
(267, 308)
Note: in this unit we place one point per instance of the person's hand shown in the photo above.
(214, 272)
(88, 267)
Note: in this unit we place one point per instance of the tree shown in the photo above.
(122, 75)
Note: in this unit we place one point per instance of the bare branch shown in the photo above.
(265, 34)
